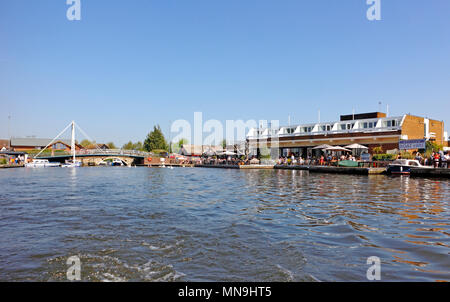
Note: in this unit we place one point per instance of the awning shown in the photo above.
(356, 146)
(324, 146)
(337, 148)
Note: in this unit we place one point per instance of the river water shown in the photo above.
(194, 224)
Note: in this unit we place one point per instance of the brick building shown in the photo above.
(27, 144)
(372, 130)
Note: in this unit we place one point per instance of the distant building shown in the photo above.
(26, 144)
(199, 150)
(4, 143)
(97, 146)
(369, 129)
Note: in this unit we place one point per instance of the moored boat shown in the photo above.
(41, 163)
(403, 166)
(72, 164)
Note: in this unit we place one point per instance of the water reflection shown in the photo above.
(221, 225)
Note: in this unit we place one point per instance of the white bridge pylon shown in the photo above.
(72, 125)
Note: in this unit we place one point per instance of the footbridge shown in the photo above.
(94, 157)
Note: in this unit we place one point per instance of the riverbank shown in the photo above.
(416, 172)
(11, 166)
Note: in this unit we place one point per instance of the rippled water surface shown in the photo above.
(193, 224)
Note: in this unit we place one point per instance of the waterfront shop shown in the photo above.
(370, 131)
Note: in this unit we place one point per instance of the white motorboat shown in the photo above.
(117, 162)
(41, 163)
(72, 164)
(403, 166)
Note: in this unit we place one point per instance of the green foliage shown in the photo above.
(384, 156)
(182, 142)
(377, 150)
(47, 152)
(3, 161)
(406, 155)
(175, 147)
(265, 153)
(433, 147)
(86, 143)
(155, 140)
(133, 146)
(111, 145)
(159, 152)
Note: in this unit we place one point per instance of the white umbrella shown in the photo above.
(324, 146)
(356, 146)
(209, 153)
(227, 153)
(337, 148)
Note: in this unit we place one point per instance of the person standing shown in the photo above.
(437, 157)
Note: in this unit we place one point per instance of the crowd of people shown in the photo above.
(322, 160)
(439, 159)
(14, 160)
(230, 160)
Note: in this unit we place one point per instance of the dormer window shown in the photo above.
(290, 130)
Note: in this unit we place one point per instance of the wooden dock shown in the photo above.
(437, 172)
(11, 166)
(335, 170)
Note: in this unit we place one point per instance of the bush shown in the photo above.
(433, 147)
(384, 156)
(3, 161)
(406, 155)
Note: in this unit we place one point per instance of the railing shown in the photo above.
(112, 152)
(330, 132)
(335, 163)
(97, 152)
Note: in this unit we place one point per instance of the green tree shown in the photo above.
(133, 146)
(175, 147)
(224, 144)
(111, 145)
(85, 143)
(155, 140)
(128, 146)
(182, 142)
(138, 146)
(432, 146)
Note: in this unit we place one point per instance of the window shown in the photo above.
(58, 146)
(289, 130)
(390, 123)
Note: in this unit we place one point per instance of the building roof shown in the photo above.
(199, 149)
(4, 143)
(370, 125)
(97, 146)
(35, 142)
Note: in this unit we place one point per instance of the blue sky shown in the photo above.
(128, 65)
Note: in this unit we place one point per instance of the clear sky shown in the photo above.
(128, 65)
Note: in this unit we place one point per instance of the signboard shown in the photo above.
(412, 144)
(365, 157)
